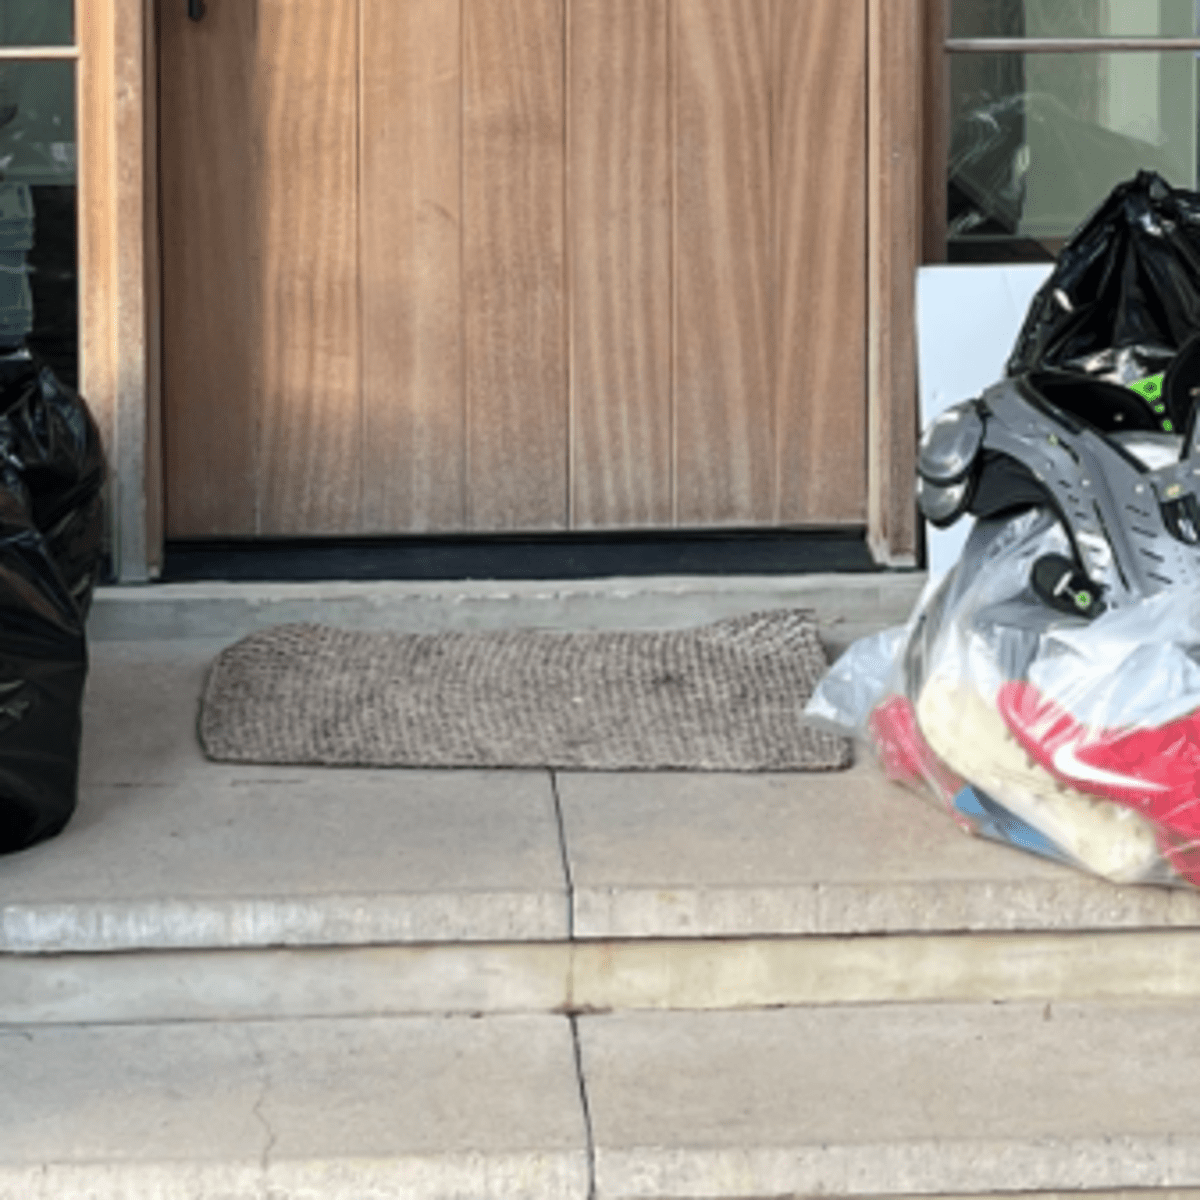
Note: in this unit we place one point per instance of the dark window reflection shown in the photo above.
(37, 22)
(1038, 140)
(38, 242)
(53, 281)
(987, 18)
(1072, 18)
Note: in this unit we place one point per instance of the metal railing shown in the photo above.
(1084, 45)
(38, 53)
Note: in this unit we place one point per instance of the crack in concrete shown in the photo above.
(264, 1162)
(565, 854)
(587, 1109)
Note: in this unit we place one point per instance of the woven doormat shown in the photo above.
(725, 697)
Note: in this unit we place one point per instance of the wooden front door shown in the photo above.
(491, 265)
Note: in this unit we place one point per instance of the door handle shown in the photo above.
(196, 9)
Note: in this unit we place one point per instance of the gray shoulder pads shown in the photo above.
(1133, 518)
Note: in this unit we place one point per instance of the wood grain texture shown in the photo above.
(524, 264)
(895, 232)
(513, 264)
(724, 270)
(128, 452)
(212, 256)
(98, 258)
(414, 445)
(620, 258)
(310, 422)
(113, 267)
(153, 462)
(936, 133)
(820, 226)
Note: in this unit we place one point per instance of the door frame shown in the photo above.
(897, 133)
(119, 293)
(120, 267)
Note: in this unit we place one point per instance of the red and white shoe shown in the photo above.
(1155, 771)
(969, 736)
(904, 754)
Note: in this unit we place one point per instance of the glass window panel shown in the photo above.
(1038, 140)
(37, 22)
(38, 245)
(1073, 18)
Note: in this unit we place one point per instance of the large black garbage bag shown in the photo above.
(51, 526)
(1124, 296)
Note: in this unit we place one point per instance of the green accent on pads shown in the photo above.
(1149, 388)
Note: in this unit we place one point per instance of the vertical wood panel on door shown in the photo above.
(151, 522)
(724, 270)
(895, 229)
(99, 264)
(414, 446)
(513, 267)
(310, 464)
(262, 412)
(620, 260)
(212, 316)
(820, 239)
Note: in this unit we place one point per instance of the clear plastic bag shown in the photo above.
(1047, 690)
(1075, 739)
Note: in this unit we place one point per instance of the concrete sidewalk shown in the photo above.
(245, 982)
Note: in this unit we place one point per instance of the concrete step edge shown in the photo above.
(920, 1099)
(293, 1110)
(941, 1100)
(1070, 904)
(601, 976)
(847, 605)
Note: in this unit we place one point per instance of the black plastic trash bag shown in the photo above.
(51, 526)
(1124, 295)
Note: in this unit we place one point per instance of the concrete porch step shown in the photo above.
(187, 890)
(847, 606)
(917, 1100)
(266, 984)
